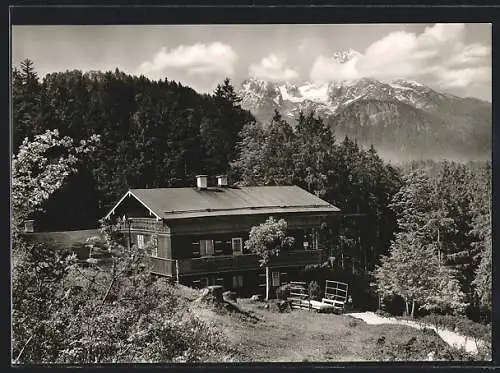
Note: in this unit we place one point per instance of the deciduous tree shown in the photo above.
(266, 241)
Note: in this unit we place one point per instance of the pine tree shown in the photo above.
(481, 230)
(314, 154)
(26, 92)
(266, 154)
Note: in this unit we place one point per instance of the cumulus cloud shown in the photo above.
(198, 59)
(438, 56)
(272, 67)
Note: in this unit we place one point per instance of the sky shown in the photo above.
(451, 57)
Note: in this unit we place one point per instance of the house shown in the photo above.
(200, 232)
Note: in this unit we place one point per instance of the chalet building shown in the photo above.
(200, 232)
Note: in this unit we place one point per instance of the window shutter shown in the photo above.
(154, 246)
(210, 247)
(237, 282)
(206, 247)
(203, 248)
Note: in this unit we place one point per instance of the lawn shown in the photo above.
(73, 240)
(262, 335)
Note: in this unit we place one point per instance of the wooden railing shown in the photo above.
(162, 266)
(213, 264)
(142, 224)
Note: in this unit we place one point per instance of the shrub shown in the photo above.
(63, 314)
(314, 290)
(382, 313)
(352, 322)
(417, 348)
(283, 292)
(480, 333)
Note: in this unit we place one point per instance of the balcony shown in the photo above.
(215, 264)
(142, 224)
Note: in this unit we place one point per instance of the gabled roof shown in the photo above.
(179, 203)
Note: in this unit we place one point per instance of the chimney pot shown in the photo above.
(201, 181)
(222, 181)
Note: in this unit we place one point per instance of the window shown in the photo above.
(237, 245)
(140, 241)
(237, 282)
(206, 247)
(154, 246)
(204, 282)
(275, 279)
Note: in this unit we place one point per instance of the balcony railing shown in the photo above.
(142, 224)
(243, 262)
(161, 266)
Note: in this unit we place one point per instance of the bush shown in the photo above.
(314, 290)
(480, 333)
(283, 292)
(382, 313)
(63, 314)
(417, 348)
(352, 322)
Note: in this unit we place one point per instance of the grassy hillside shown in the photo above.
(73, 240)
(260, 334)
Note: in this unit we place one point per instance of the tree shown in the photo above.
(40, 168)
(414, 268)
(26, 92)
(481, 231)
(220, 127)
(412, 271)
(266, 154)
(314, 154)
(267, 240)
(449, 206)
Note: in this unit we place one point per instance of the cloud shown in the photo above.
(438, 57)
(198, 59)
(272, 67)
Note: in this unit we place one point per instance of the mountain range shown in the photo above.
(403, 119)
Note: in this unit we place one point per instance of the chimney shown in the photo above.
(201, 181)
(222, 181)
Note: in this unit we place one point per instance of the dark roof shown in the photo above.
(179, 203)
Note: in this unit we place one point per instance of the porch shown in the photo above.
(228, 263)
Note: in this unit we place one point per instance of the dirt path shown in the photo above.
(450, 337)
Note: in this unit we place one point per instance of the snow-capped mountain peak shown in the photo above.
(346, 55)
(401, 117)
(260, 96)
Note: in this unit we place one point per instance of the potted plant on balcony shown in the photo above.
(267, 240)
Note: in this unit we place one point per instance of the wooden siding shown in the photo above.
(164, 267)
(144, 225)
(230, 224)
(230, 263)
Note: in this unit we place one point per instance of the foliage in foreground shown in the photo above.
(41, 167)
(427, 345)
(479, 333)
(63, 313)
